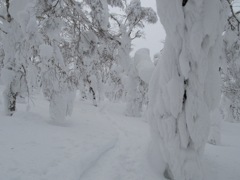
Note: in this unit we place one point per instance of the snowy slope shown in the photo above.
(31, 148)
(98, 143)
(223, 162)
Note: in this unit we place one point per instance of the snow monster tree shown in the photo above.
(185, 86)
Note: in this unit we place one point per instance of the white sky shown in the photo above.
(154, 34)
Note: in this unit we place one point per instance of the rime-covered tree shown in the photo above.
(130, 26)
(74, 33)
(56, 77)
(231, 74)
(19, 40)
(2, 54)
(185, 85)
(89, 45)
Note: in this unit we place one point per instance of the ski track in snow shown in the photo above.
(97, 158)
(128, 159)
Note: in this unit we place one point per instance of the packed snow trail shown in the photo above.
(128, 159)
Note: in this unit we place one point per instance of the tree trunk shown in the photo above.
(93, 96)
(10, 99)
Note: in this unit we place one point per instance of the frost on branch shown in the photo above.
(136, 13)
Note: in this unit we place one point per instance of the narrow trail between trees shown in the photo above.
(127, 160)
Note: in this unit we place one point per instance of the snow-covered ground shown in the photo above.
(96, 143)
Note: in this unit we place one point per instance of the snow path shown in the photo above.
(96, 144)
(128, 159)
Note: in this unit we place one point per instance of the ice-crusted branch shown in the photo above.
(233, 16)
(3, 31)
(138, 34)
(115, 19)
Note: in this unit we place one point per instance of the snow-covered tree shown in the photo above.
(19, 42)
(130, 25)
(74, 34)
(185, 86)
(11, 38)
(89, 45)
(231, 74)
(141, 72)
(57, 82)
(2, 54)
